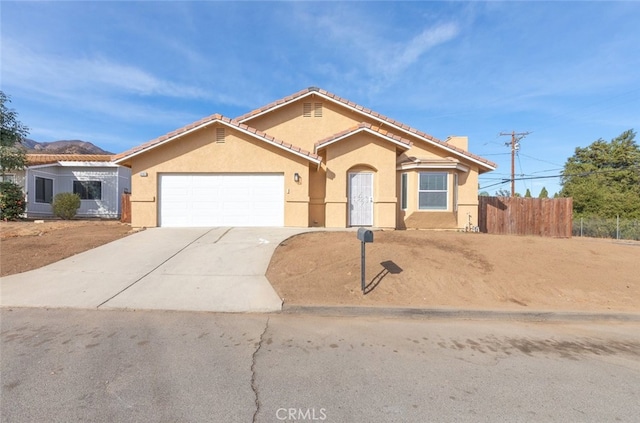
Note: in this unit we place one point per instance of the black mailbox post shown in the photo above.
(364, 235)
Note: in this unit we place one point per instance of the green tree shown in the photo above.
(527, 194)
(604, 178)
(12, 204)
(543, 193)
(12, 157)
(12, 133)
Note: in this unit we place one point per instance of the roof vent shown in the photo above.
(306, 109)
(220, 135)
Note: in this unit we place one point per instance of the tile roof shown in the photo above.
(363, 127)
(366, 111)
(40, 159)
(226, 121)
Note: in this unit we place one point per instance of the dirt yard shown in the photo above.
(404, 268)
(459, 270)
(28, 245)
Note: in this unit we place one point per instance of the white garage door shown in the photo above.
(201, 200)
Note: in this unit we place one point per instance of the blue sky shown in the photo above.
(121, 73)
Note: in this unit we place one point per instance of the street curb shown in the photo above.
(445, 313)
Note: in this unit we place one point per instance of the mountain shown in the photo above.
(63, 147)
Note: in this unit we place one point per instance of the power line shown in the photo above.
(540, 160)
(592, 172)
(521, 171)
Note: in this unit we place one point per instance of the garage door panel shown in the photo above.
(221, 200)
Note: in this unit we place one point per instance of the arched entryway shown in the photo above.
(360, 187)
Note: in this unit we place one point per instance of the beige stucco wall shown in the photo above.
(317, 195)
(361, 153)
(468, 197)
(198, 152)
(288, 124)
(457, 141)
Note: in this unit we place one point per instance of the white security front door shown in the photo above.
(361, 199)
(205, 200)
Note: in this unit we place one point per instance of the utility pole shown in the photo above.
(515, 146)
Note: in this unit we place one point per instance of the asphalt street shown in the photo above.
(103, 366)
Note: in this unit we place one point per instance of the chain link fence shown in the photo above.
(616, 228)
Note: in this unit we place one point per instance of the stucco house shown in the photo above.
(309, 159)
(99, 182)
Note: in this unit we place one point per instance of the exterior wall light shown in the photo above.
(296, 177)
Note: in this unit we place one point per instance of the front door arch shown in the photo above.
(360, 198)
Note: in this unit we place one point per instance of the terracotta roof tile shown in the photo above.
(40, 159)
(359, 127)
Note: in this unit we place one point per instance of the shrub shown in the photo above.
(12, 203)
(65, 205)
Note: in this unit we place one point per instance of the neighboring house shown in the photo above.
(309, 159)
(95, 178)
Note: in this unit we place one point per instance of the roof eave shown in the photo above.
(356, 131)
(123, 159)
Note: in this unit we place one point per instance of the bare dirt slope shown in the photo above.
(28, 245)
(461, 270)
(404, 268)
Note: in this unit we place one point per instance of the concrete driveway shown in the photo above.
(197, 269)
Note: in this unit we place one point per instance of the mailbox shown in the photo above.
(365, 235)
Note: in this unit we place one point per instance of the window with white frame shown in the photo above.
(432, 191)
(88, 190)
(8, 177)
(44, 190)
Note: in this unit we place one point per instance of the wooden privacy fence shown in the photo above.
(551, 217)
(125, 206)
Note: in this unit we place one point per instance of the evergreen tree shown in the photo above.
(604, 178)
(543, 193)
(527, 194)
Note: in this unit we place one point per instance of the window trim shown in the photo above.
(404, 177)
(85, 189)
(44, 194)
(446, 191)
(455, 192)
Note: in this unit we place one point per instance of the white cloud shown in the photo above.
(402, 58)
(55, 75)
(363, 47)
